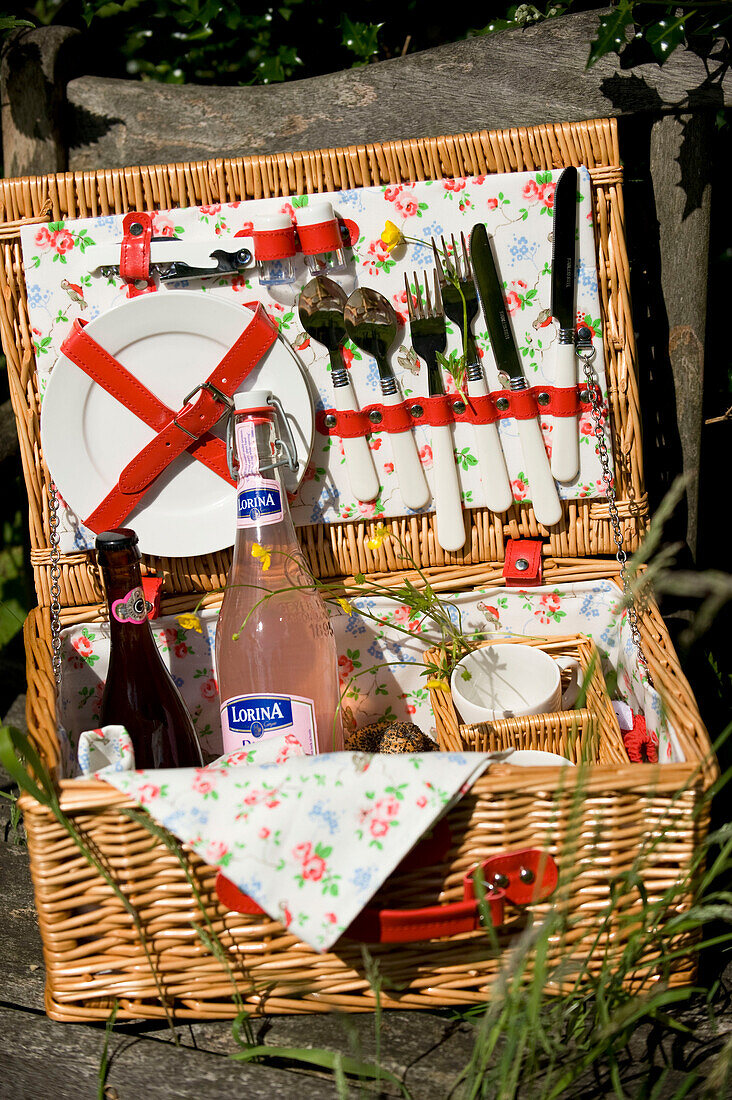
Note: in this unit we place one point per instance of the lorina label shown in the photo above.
(249, 719)
(258, 503)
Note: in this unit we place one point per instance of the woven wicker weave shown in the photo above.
(643, 817)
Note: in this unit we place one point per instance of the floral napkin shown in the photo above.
(312, 838)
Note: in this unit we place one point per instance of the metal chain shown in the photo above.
(55, 605)
(586, 353)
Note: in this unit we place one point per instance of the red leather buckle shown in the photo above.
(523, 877)
(523, 565)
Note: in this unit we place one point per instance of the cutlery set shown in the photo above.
(465, 278)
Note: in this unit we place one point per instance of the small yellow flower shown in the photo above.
(377, 538)
(345, 605)
(391, 237)
(263, 556)
(189, 622)
(438, 685)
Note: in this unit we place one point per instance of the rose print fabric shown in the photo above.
(311, 838)
(380, 662)
(517, 209)
(105, 750)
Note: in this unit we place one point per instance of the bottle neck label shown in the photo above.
(258, 502)
(247, 720)
(132, 608)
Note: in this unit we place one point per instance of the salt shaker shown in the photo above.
(320, 238)
(275, 247)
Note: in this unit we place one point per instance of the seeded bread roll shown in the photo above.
(392, 737)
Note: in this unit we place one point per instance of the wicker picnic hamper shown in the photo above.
(94, 955)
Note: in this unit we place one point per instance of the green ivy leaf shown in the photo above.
(664, 36)
(610, 37)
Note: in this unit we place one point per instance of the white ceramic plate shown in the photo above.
(534, 758)
(170, 341)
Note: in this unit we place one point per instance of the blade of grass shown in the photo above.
(323, 1059)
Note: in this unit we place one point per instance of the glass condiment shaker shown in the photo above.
(275, 247)
(320, 238)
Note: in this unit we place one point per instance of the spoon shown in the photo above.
(371, 324)
(320, 306)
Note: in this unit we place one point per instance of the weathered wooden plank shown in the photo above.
(514, 78)
(681, 163)
(41, 1058)
(32, 80)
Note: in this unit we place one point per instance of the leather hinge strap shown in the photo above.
(134, 260)
(523, 565)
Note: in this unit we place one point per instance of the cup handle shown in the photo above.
(571, 692)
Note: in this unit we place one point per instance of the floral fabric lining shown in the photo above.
(380, 663)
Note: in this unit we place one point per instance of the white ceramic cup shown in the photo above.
(509, 681)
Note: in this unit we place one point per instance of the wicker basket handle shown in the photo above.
(522, 877)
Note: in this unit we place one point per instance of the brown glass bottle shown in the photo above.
(139, 693)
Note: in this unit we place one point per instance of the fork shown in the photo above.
(429, 338)
(460, 302)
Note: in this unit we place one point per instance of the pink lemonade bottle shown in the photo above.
(275, 651)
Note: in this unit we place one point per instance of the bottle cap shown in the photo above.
(263, 223)
(122, 539)
(253, 400)
(315, 213)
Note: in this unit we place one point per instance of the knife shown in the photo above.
(565, 436)
(544, 496)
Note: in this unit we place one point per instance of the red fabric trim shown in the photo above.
(321, 237)
(529, 550)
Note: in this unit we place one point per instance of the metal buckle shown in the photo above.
(286, 446)
(217, 394)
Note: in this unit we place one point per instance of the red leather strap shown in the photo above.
(184, 430)
(440, 410)
(134, 261)
(523, 564)
(429, 923)
(523, 877)
(321, 237)
(274, 244)
(565, 401)
(522, 405)
(197, 417)
(104, 369)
